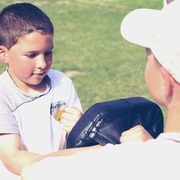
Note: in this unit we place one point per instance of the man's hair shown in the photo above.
(19, 19)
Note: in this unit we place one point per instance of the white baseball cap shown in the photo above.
(158, 30)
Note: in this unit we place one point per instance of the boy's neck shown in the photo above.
(36, 90)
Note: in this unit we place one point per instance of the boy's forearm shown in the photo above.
(29, 170)
(68, 152)
(17, 161)
(26, 157)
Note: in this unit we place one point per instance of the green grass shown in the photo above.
(88, 41)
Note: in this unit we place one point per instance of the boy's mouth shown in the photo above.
(39, 74)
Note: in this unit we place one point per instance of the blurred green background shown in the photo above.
(90, 49)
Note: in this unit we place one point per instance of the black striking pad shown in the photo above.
(105, 121)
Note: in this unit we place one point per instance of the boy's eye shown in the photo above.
(48, 53)
(31, 55)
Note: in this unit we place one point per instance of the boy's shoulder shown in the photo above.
(58, 76)
(5, 79)
(56, 73)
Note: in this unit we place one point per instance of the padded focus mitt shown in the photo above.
(105, 121)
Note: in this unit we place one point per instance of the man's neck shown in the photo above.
(173, 120)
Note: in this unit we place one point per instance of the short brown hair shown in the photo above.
(19, 19)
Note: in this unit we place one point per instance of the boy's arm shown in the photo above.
(12, 154)
(15, 158)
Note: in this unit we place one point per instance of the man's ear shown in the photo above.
(3, 54)
(168, 83)
(166, 2)
(169, 1)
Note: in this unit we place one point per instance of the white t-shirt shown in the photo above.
(32, 117)
(151, 160)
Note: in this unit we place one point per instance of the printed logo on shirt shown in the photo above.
(56, 106)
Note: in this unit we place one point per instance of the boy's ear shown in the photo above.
(168, 83)
(3, 54)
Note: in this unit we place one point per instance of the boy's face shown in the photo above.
(29, 60)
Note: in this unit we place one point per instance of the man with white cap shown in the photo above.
(159, 32)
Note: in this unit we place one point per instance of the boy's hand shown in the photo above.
(69, 117)
(137, 133)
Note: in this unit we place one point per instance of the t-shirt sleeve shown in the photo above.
(7, 120)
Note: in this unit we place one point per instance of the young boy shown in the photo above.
(159, 32)
(30, 93)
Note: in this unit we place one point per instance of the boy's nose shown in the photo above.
(41, 63)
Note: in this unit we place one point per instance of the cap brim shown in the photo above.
(158, 30)
(138, 25)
